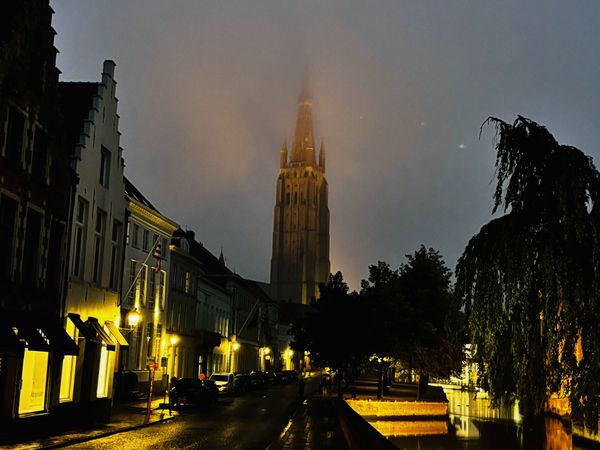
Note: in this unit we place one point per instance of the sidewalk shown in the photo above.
(314, 425)
(125, 416)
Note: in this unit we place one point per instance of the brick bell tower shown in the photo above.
(300, 258)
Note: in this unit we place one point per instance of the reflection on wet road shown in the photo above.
(235, 423)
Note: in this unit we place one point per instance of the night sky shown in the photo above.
(207, 92)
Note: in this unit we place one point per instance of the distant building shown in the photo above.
(96, 246)
(197, 314)
(145, 284)
(300, 258)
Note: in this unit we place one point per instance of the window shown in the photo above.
(14, 138)
(130, 287)
(128, 231)
(8, 215)
(164, 248)
(114, 255)
(295, 198)
(150, 339)
(80, 227)
(287, 198)
(99, 246)
(104, 371)
(135, 241)
(33, 382)
(160, 289)
(152, 289)
(53, 261)
(67, 377)
(145, 241)
(31, 254)
(141, 284)
(158, 339)
(39, 162)
(104, 167)
(188, 282)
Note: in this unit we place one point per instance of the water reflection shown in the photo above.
(474, 425)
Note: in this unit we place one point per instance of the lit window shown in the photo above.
(67, 377)
(33, 382)
(104, 371)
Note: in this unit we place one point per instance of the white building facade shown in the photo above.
(96, 243)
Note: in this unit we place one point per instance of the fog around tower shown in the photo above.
(208, 91)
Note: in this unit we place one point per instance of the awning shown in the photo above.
(82, 327)
(97, 328)
(116, 334)
(19, 330)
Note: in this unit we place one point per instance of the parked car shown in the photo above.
(257, 379)
(225, 382)
(289, 375)
(212, 387)
(192, 392)
(241, 383)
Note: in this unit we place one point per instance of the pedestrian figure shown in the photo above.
(301, 387)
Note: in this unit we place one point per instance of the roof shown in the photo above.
(76, 99)
(134, 193)
(215, 269)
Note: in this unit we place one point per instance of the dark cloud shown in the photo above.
(208, 92)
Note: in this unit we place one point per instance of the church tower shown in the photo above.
(300, 258)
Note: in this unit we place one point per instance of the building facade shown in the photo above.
(35, 187)
(145, 283)
(97, 232)
(300, 259)
(197, 314)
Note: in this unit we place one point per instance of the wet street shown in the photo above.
(245, 422)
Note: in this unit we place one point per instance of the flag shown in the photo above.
(158, 256)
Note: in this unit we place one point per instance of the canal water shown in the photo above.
(474, 425)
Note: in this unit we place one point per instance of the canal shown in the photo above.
(474, 425)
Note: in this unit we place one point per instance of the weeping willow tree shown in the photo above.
(530, 279)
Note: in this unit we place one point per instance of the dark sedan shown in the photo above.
(192, 392)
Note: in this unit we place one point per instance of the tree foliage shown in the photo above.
(529, 280)
(331, 330)
(414, 315)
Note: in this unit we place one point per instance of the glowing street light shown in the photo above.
(235, 346)
(133, 318)
(173, 340)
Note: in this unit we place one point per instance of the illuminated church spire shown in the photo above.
(303, 149)
(300, 259)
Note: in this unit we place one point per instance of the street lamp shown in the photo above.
(133, 318)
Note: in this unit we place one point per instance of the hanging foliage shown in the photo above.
(530, 279)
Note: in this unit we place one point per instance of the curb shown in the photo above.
(106, 434)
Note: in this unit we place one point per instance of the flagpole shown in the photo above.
(141, 268)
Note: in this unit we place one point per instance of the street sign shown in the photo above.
(164, 361)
